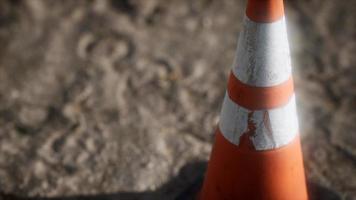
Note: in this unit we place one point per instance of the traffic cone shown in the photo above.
(257, 152)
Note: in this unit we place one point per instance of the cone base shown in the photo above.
(237, 172)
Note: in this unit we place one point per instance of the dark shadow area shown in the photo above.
(318, 192)
(184, 186)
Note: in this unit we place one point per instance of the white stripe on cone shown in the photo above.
(263, 57)
(274, 128)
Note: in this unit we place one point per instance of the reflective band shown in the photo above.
(267, 129)
(263, 57)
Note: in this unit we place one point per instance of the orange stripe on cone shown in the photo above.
(240, 172)
(256, 98)
(265, 10)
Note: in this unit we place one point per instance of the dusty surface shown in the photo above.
(119, 99)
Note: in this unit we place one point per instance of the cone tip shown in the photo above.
(265, 10)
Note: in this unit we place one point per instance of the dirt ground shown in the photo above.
(119, 99)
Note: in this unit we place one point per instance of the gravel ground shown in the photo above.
(119, 99)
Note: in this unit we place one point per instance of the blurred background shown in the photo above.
(119, 99)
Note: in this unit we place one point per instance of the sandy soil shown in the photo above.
(119, 99)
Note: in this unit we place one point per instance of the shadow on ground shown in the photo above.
(184, 186)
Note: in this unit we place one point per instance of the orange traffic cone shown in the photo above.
(257, 152)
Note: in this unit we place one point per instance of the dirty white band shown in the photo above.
(274, 128)
(262, 60)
